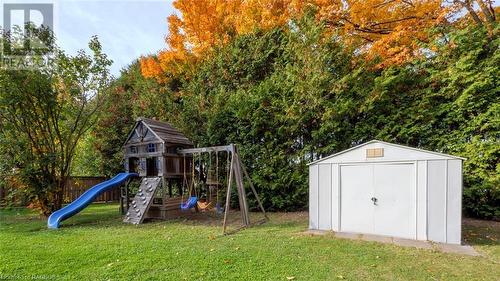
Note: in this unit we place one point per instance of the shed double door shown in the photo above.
(378, 199)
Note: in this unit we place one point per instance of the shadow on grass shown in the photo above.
(480, 232)
(107, 215)
(26, 220)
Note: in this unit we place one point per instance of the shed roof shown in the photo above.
(162, 130)
(419, 151)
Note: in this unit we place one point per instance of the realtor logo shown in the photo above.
(27, 34)
(16, 19)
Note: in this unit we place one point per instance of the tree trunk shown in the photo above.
(59, 194)
(52, 200)
(490, 18)
(45, 208)
(467, 5)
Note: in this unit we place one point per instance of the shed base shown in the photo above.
(442, 247)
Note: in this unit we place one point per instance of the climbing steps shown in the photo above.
(142, 200)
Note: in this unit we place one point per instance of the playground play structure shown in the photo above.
(174, 176)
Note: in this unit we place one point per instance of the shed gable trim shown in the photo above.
(389, 144)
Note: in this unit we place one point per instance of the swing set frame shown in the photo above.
(237, 173)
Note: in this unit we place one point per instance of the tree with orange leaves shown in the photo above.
(387, 30)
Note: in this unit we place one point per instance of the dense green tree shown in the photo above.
(290, 95)
(44, 113)
(273, 93)
(87, 160)
(449, 102)
(128, 97)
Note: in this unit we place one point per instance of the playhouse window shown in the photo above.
(151, 147)
(133, 149)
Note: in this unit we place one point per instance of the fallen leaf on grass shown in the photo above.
(290, 277)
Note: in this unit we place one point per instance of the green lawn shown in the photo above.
(95, 245)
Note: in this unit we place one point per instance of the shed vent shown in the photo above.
(374, 152)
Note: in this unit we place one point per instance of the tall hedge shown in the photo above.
(288, 96)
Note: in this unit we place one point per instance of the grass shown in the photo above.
(96, 245)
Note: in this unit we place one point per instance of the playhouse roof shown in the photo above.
(161, 130)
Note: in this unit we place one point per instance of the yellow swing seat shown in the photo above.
(205, 205)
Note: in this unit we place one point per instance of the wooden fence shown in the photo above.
(75, 186)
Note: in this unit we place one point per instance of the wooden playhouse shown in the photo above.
(151, 150)
(175, 175)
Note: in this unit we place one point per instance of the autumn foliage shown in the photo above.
(384, 29)
(290, 84)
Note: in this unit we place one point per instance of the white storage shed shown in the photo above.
(388, 189)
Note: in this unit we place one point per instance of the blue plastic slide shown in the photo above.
(86, 198)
